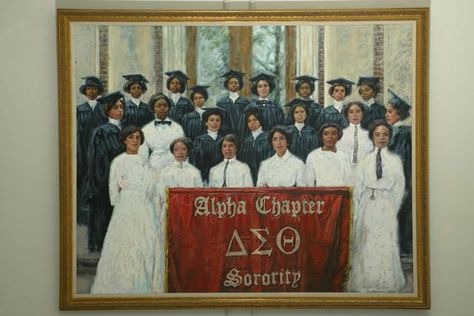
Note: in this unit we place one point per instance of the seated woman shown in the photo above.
(104, 147)
(378, 193)
(176, 85)
(304, 89)
(159, 133)
(192, 122)
(368, 89)
(272, 114)
(355, 139)
(398, 116)
(328, 166)
(137, 112)
(127, 261)
(282, 169)
(233, 103)
(230, 173)
(304, 138)
(340, 89)
(255, 147)
(206, 148)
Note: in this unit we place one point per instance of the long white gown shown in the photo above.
(127, 263)
(328, 168)
(376, 265)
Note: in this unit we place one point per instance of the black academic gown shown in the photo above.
(254, 151)
(272, 114)
(193, 125)
(86, 121)
(137, 115)
(374, 112)
(401, 145)
(206, 154)
(312, 117)
(302, 143)
(234, 115)
(331, 115)
(178, 109)
(104, 147)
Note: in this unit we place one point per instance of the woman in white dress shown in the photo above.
(283, 169)
(376, 265)
(328, 165)
(159, 133)
(127, 262)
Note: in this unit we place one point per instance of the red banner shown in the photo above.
(258, 239)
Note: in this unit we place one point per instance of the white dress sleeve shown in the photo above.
(114, 188)
(301, 175)
(309, 170)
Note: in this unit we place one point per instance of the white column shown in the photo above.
(174, 50)
(307, 52)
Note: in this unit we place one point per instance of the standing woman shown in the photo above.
(137, 112)
(272, 114)
(104, 147)
(304, 138)
(89, 116)
(176, 85)
(159, 133)
(378, 193)
(206, 148)
(255, 148)
(327, 165)
(304, 88)
(369, 87)
(127, 261)
(340, 88)
(355, 139)
(398, 116)
(233, 103)
(282, 169)
(192, 122)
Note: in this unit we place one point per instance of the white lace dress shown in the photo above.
(376, 265)
(128, 259)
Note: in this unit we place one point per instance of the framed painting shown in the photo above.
(153, 216)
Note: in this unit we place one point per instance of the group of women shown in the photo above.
(129, 152)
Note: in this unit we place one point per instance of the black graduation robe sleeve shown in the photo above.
(254, 151)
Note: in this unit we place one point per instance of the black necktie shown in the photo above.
(378, 165)
(224, 184)
(162, 122)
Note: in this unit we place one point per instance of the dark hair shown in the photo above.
(241, 82)
(293, 108)
(279, 129)
(255, 113)
(129, 130)
(209, 112)
(377, 123)
(372, 85)
(157, 96)
(404, 112)
(271, 84)
(109, 105)
(300, 83)
(203, 92)
(347, 88)
(230, 138)
(181, 80)
(183, 140)
(128, 85)
(347, 107)
(327, 125)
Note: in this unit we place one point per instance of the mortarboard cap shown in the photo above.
(212, 111)
(177, 73)
(306, 78)
(91, 81)
(341, 82)
(111, 98)
(263, 76)
(233, 74)
(199, 88)
(135, 78)
(368, 79)
(398, 102)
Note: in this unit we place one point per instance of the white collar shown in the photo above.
(338, 105)
(135, 101)
(212, 134)
(114, 122)
(92, 103)
(233, 96)
(263, 99)
(285, 156)
(369, 102)
(199, 110)
(354, 125)
(257, 132)
(180, 164)
(231, 160)
(299, 126)
(175, 97)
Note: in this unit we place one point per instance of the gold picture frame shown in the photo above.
(418, 21)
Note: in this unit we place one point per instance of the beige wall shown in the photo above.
(29, 195)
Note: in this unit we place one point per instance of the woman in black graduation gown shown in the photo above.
(340, 88)
(233, 104)
(89, 116)
(304, 138)
(104, 147)
(304, 88)
(137, 112)
(176, 84)
(192, 123)
(398, 115)
(206, 148)
(272, 114)
(255, 148)
(368, 89)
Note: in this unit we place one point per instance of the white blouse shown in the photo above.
(286, 171)
(328, 168)
(346, 143)
(237, 174)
